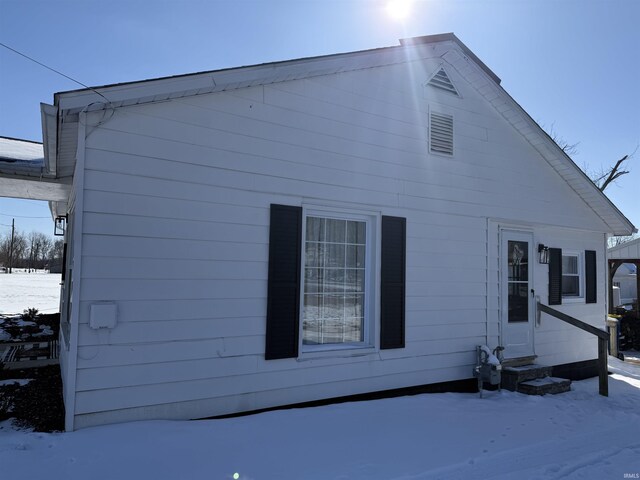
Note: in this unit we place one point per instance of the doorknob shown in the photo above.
(533, 292)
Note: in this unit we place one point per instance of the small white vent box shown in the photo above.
(103, 315)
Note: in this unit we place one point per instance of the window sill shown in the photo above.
(572, 299)
(336, 351)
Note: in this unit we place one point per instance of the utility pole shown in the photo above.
(13, 229)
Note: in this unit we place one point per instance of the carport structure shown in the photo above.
(628, 252)
(26, 171)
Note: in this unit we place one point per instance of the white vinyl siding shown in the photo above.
(176, 232)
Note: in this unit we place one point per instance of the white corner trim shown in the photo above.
(70, 400)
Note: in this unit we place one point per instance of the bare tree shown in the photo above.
(569, 148)
(615, 241)
(39, 246)
(605, 176)
(611, 174)
(29, 251)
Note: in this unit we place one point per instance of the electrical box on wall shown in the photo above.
(103, 315)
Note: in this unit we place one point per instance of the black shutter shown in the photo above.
(283, 291)
(591, 294)
(64, 260)
(392, 282)
(555, 276)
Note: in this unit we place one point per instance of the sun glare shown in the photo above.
(399, 9)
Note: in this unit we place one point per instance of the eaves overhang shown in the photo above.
(24, 172)
(165, 88)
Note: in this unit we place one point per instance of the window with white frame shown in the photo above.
(336, 278)
(571, 275)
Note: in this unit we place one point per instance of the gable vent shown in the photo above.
(442, 81)
(441, 133)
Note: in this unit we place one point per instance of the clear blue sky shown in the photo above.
(573, 64)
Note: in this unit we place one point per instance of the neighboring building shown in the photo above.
(295, 231)
(625, 279)
(624, 261)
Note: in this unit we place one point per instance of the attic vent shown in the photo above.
(441, 133)
(442, 81)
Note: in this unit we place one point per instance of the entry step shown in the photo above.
(519, 361)
(513, 376)
(542, 386)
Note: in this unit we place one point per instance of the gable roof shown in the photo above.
(446, 46)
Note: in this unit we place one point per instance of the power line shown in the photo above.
(19, 216)
(53, 70)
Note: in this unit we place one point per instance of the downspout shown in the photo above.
(70, 400)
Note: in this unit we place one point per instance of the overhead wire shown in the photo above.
(53, 70)
(19, 216)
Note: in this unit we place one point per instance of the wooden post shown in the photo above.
(637, 264)
(603, 344)
(603, 368)
(613, 267)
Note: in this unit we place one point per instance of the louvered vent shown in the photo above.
(442, 81)
(441, 133)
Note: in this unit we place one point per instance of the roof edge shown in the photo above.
(403, 42)
(444, 37)
(20, 139)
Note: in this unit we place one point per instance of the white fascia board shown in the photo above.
(15, 186)
(207, 82)
(49, 116)
(511, 111)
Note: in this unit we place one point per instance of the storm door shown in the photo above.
(517, 299)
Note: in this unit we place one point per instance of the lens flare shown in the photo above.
(399, 9)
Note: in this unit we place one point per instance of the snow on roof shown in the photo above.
(21, 152)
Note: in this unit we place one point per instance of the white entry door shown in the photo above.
(516, 284)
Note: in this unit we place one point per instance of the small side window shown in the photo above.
(571, 276)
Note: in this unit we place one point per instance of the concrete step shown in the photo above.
(519, 361)
(542, 386)
(513, 376)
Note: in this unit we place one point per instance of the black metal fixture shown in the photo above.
(543, 253)
(60, 226)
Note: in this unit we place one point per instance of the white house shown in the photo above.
(280, 233)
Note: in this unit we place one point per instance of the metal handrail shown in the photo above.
(603, 343)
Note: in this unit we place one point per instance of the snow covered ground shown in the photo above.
(577, 435)
(20, 291)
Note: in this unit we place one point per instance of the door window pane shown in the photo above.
(518, 302)
(518, 281)
(518, 261)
